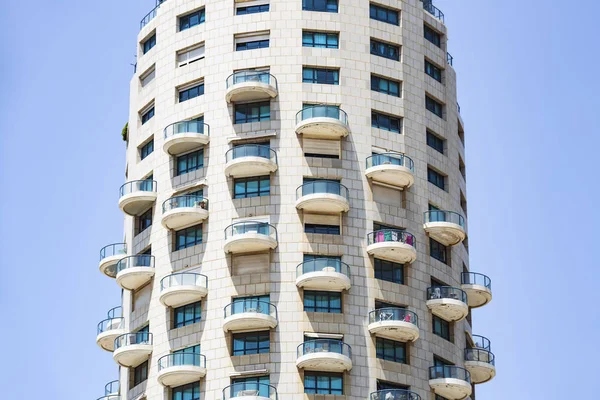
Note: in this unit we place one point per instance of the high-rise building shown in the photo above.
(295, 208)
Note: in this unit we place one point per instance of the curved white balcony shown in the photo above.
(182, 211)
(137, 196)
(480, 361)
(446, 227)
(478, 288)
(131, 349)
(250, 160)
(449, 381)
(250, 86)
(248, 315)
(392, 169)
(184, 136)
(394, 323)
(250, 236)
(181, 368)
(112, 388)
(182, 288)
(447, 302)
(323, 274)
(110, 256)
(323, 196)
(250, 391)
(133, 272)
(392, 245)
(327, 355)
(110, 328)
(322, 122)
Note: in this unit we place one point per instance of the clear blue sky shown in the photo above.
(529, 98)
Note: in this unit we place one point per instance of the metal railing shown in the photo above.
(250, 306)
(322, 186)
(179, 359)
(192, 126)
(133, 338)
(251, 150)
(391, 235)
(446, 292)
(474, 278)
(324, 346)
(151, 15)
(449, 371)
(323, 265)
(113, 250)
(393, 314)
(444, 216)
(115, 320)
(450, 59)
(394, 394)
(481, 342)
(480, 355)
(322, 111)
(185, 201)
(251, 76)
(433, 10)
(184, 279)
(390, 158)
(140, 260)
(145, 185)
(244, 389)
(240, 228)
(110, 397)
(112, 388)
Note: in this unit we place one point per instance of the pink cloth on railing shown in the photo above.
(409, 240)
(379, 237)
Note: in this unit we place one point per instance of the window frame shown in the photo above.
(436, 178)
(260, 180)
(195, 386)
(147, 114)
(398, 348)
(323, 390)
(149, 43)
(184, 233)
(200, 13)
(375, 9)
(250, 106)
(196, 155)
(438, 251)
(144, 221)
(322, 229)
(435, 142)
(140, 373)
(434, 106)
(262, 339)
(380, 271)
(441, 328)
(432, 36)
(376, 116)
(190, 92)
(313, 43)
(322, 296)
(330, 6)
(433, 71)
(376, 81)
(394, 48)
(184, 310)
(253, 45)
(332, 75)
(255, 6)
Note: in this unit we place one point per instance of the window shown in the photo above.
(147, 115)
(140, 373)
(187, 315)
(190, 20)
(323, 383)
(188, 237)
(252, 10)
(387, 86)
(384, 14)
(310, 257)
(433, 106)
(251, 343)
(149, 43)
(435, 142)
(321, 75)
(188, 350)
(188, 93)
(251, 383)
(320, 5)
(462, 167)
(251, 187)
(328, 302)
(189, 162)
(383, 385)
(433, 71)
(321, 148)
(441, 327)
(390, 350)
(432, 36)
(257, 44)
(386, 122)
(144, 221)
(389, 271)
(326, 40)
(147, 149)
(148, 76)
(190, 55)
(436, 178)
(190, 391)
(252, 112)
(322, 229)
(385, 50)
(438, 251)
(251, 41)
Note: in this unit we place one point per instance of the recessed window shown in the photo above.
(385, 50)
(143, 222)
(322, 229)
(462, 168)
(435, 142)
(326, 40)
(147, 149)
(147, 115)
(241, 9)
(140, 373)
(389, 271)
(252, 112)
(187, 315)
(326, 76)
(188, 237)
(189, 162)
(433, 71)
(148, 76)
(320, 5)
(190, 92)
(149, 43)
(438, 251)
(323, 383)
(434, 106)
(383, 385)
(391, 350)
(433, 36)
(190, 391)
(255, 384)
(251, 187)
(251, 343)
(384, 85)
(386, 122)
(436, 178)
(251, 41)
(327, 302)
(384, 14)
(190, 55)
(189, 20)
(441, 327)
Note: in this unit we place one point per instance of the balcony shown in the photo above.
(392, 169)
(182, 288)
(480, 361)
(323, 274)
(183, 211)
(250, 236)
(110, 256)
(394, 323)
(112, 388)
(322, 122)
(392, 245)
(250, 86)
(250, 160)
(433, 10)
(131, 349)
(184, 136)
(248, 315)
(394, 394)
(151, 15)
(181, 368)
(133, 272)
(446, 227)
(449, 381)
(110, 397)
(323, 197)
(327, 355)
(137, 196)
(447, 302)
(478, 288)
(110, 328)
(250, 391)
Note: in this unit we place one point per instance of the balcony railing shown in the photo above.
(244, 389)
(480, 355)
(449, 372)
(323, 346)
(113, 250)
(110, 397)
(251, 150)
(145, 185)
(390, 158)
(481, 342)
(240, 228)
(323, 264)
(251, 76)
(112, 388)
(433, 10)
(181, 127)
(250, 306)
(129, 339)
(183, 279)
(185, 201)
(393, 314)
(151, 15)
(473, 278)
(444, 216)
(180, 359)
(324, 187)
(322, 111)
(140, 260)
(394, 394)
(446, 292)
(115, 320)
(449, 59)
(391, 235)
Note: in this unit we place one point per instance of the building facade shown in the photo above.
(295, 208)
